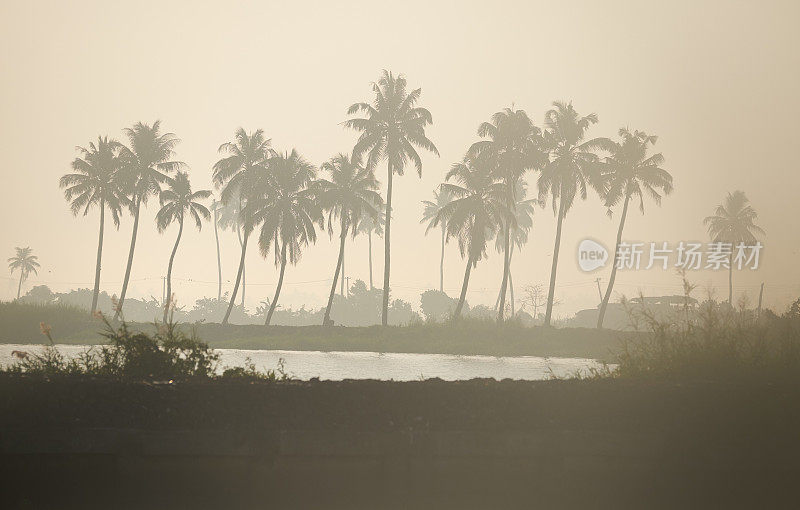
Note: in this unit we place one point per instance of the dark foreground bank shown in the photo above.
(89, 443)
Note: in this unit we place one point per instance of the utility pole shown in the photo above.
(348, 285)
(599, 292)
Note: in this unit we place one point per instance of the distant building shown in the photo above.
(618, 316)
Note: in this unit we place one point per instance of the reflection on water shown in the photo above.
(384, 366)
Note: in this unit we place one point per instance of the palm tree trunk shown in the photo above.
(369, 237)
(339, 263)
(511, 289)
(613, 277)
(497, 301)
(551, 292)
(441, 263)
(130, 259)
(506, 261)
(387, 248)
(274, 303)
(96, 291)
(219, 259)
(238, 279)
(341, 284)
(239, 235)
(463, 296)
(169, 300)
(19, 287)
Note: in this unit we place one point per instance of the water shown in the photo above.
(383, 366)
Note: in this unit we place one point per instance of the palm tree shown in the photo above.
(631, 173)
(26, 262)
(145, 166)
(176, 202)
(370, 226)
(215, 207)
(477, 209)
(571, 168)
(733, 222)
(432, 208)
(95, 181)
(246, 158)
(393, 129)
(522, 223)
(282, 202)
(349, 196)
(512, 147)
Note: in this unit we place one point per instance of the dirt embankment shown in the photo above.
(428, 444)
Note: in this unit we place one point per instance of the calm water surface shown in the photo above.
(384, 366)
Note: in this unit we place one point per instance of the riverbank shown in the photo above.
(20, 325)
(367, 444)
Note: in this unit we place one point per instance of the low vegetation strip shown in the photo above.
(20, 325)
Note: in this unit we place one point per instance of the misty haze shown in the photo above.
(416, 255)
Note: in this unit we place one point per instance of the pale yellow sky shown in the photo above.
(716, 81)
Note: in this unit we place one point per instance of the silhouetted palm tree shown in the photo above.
(281, 201)
(512, 147)
(146, 164)
(235, 174)
(95, 181)
(630, 173)
(176, 202)
(432, 208)
(392, 130)
(522, 225)
(477, 209)
(26, 263)
(571, 169)
(733, 222)
(369, 226)
(349, 196)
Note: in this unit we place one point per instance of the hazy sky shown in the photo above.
(716, 81)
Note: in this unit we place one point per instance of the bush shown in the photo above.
(714, 341)
(169, 354)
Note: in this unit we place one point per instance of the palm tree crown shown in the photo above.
(351, 194)
(393, 127)
(734, 220)
(282, 202)
(246, 156)
(178, 200)
(630, 172)
(573, 165)
(148, 161)
(96, 179)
